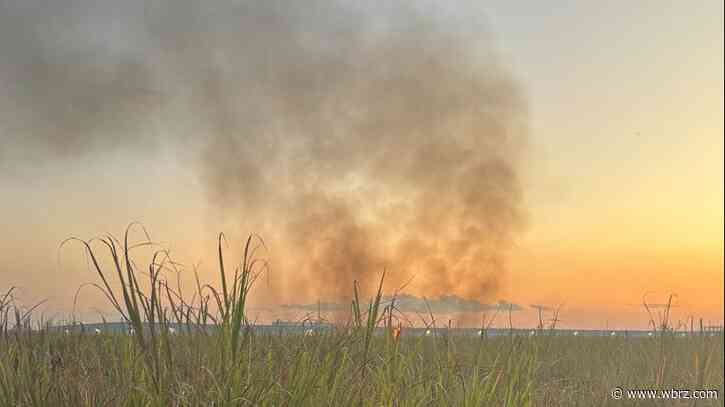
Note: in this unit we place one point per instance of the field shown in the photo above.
(351, 365)
(51, 369)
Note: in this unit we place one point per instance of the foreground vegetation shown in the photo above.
(49, 369)
(234, 366)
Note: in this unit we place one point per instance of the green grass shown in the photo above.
(349, 366)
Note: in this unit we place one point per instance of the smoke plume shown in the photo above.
(353, 138)
(445, 304)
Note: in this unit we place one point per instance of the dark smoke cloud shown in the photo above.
(445, 304)
(450, 304)
(70, 81)
(356, 138)
(321, 306)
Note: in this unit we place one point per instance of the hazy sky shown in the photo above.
(627, 147)
(621, 175)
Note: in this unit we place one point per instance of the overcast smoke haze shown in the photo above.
(356, 139)
(353, 138)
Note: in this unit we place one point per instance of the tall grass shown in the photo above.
(234, 365)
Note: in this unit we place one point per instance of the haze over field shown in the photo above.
(490, 156)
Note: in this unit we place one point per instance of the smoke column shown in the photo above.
(352, 137)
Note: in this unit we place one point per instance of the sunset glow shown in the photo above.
(591, 177)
